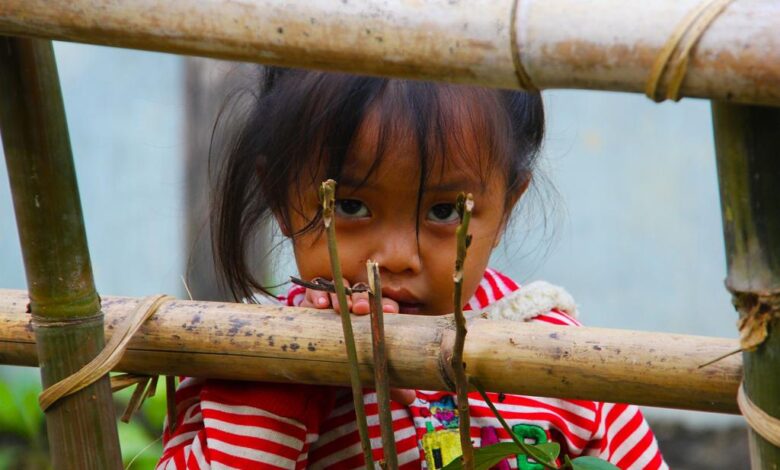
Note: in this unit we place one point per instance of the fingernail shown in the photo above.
(322, 301)
(388, 308)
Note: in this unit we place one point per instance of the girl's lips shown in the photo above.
(407, 302)
(410, 308)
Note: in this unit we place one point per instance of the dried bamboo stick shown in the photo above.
(380, 366)
(464, 205)
(604, 45)
(282, 344)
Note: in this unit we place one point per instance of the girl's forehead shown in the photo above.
(448, 147)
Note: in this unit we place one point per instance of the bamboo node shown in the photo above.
(759, 421)
(675, 54)
(756, 311)
(107, 359)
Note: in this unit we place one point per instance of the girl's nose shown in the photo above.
(398, 252)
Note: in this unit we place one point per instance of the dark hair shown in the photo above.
(302, 120)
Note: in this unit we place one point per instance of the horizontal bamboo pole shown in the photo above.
(603, 45)
(282, 344)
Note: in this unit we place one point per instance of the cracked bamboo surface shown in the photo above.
(270, 343)
(604, 45)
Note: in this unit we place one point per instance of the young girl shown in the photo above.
(400, 151)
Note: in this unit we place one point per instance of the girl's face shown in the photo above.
(378, 219)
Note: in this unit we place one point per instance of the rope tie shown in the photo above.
(759, 421)
(108, 358)
(675, 54)
(523, 79)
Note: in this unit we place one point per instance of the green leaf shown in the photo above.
(487, 457)
(546, 452)
(592, 463)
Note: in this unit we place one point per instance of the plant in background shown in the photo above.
(23, 440)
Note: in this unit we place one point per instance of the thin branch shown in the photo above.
(465, 204)
(324, 285)
(380, 365)
(328, 198)
(720, 358)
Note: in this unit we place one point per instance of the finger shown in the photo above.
(316, 299)
(404, 396)
(360, 303)
(389, 305)
(334, 300)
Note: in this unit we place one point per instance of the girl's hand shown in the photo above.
(357, 302)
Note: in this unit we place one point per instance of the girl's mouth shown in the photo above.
(407, 302)
(414, 308)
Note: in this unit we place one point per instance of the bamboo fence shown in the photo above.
(282, 344)
(728, 51)
(601, 45)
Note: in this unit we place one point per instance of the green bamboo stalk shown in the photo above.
(465, 204)
(380, 365)
(63, 301)
(747, 143)
(328, 198)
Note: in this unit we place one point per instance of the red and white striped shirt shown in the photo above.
(225, 424)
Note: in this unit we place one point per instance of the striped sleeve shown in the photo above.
(223, 424)
(295, 296)
(624, 438)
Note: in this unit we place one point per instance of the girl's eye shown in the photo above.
(351, 208)
(443, 213)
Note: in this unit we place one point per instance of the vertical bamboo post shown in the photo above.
(747, 142)
(65, 307)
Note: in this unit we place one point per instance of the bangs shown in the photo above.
(447, 125)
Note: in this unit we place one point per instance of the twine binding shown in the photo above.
(683, 39)
(523, 79)
(108, 358)
(759, 421)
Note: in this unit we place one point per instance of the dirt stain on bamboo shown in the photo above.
(236, 324)
(196, 319)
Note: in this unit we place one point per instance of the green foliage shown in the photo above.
(23, 441)
(487, 457)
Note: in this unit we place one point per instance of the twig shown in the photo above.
(328, 198)
(720, 358)
(324, 285)
(380, 365)
(464, 205)
(529, 451)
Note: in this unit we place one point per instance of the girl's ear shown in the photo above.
(283, 225)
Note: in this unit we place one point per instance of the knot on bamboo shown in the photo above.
(107, 359)
(672, 61)
(756, 311)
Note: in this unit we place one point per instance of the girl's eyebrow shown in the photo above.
(460, 184)
(455, 185)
